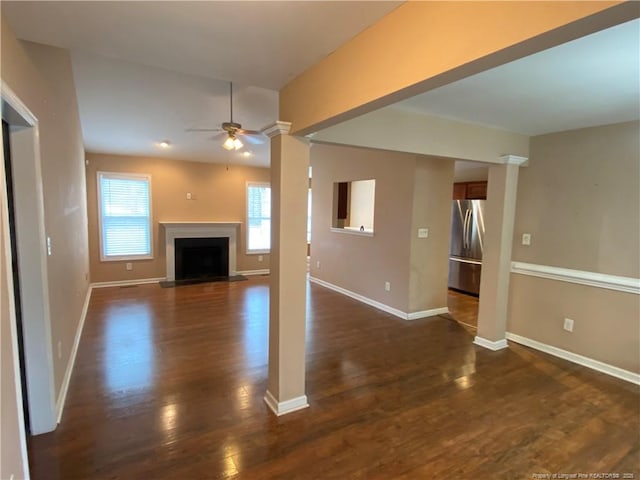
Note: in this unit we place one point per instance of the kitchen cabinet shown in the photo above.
(470, 191)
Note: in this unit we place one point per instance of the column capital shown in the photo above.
(277, 128)
(515, 160)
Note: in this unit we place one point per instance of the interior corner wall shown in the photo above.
(362, 264)
(41, 77)
(579, 198)
(429, 263)
(218, 195)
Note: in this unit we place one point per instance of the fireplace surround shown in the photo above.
(174, 230)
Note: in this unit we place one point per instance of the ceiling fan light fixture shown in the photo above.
(232, 143)
(229, 143)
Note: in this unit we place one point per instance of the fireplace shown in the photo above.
(200, 258)
(175, 231)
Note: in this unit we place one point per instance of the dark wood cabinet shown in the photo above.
(343, 200)
(476, 191)
(459, 191)
(470, 191)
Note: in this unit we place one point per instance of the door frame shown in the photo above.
(32, 261)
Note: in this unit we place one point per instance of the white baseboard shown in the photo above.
(126, 283)
(288, 406)
(378, 305)
(427, 313)
(491, 345)
(248, 273)
(575, 358)
(62, 396)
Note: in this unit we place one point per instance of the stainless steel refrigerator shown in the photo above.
(467, 245)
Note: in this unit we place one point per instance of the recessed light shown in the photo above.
(164, 144)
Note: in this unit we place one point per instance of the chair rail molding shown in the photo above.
(581, 277)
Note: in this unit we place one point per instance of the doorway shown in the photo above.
(469, 194)
(6, 146)
(24, 231)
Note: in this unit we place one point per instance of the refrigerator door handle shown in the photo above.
(465, 229)
(469, 231)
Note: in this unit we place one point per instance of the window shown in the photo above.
(125, 216)
(353, 206)
(258, 217)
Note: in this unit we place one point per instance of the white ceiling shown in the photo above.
(147, 71)
(259, 43)
(127, 108)
(594, 80)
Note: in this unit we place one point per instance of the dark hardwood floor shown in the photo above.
(463, 308)
(169, 384)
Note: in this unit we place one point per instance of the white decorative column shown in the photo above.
(287, 293)
(496, 260)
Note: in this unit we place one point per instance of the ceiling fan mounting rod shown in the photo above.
(231, 100)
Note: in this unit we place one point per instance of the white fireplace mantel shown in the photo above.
(175, 230)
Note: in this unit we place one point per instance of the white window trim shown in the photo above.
(124, 176)
(247, 251)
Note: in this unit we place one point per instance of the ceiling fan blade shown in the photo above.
(254, 139)
(242, 131)
(219, 136)
(204, 130)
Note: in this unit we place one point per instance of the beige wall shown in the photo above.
(42, 78)
(402, 54)
(62, 153)
(362, 264)
(429, 263)
(426, 135)
(580, 200)
(220, 195)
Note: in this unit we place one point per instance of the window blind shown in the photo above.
(124, 216)
(258, 218)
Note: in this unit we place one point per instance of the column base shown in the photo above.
(288, 406)
(497, 345)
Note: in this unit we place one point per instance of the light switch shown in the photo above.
(526, 239)
(188, 196)
(423, 233)
(49, 246)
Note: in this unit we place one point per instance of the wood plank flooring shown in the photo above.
(169, 384)
(463, 308)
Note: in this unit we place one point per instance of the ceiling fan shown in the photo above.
(231, 130)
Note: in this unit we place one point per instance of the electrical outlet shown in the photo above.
(423, 233)
(59, 349)
(387, 286)
(526, 239)
(318, 264)
(129, 266)
(259, 258)
(568, 325)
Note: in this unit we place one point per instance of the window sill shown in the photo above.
(126, 258)
(258, 252)
(354, 231)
